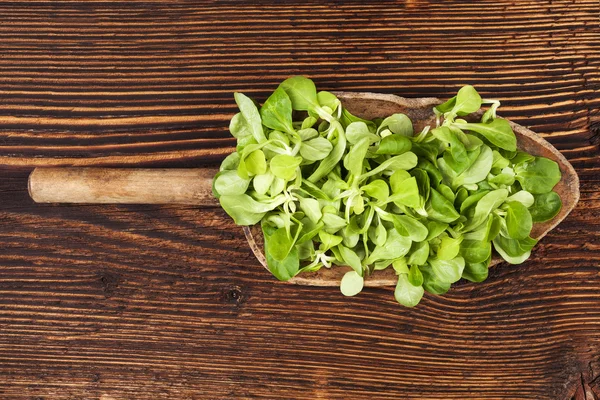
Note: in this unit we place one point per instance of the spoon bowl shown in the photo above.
(420, 111)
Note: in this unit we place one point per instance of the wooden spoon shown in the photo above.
(193, 186)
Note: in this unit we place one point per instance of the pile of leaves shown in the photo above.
(331, 189)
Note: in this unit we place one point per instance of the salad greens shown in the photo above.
(332, 189)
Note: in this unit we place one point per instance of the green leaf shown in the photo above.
(348, 118)
(328, 99)
(303, 95)
(352, 283)
(286, 269)
(471, 142)
(357, 204)
(449, 271)
(231, 162)
(315, 149)
(407, 194)
(278, 143)
(493, 227)
(447, 106)
(504, 178)
(404, 161)
(435, 228)
(309, 231)
(407, 294)
(280, 244)
(490, 113)
(277, 186)
(419, 253)
(415, 277)
(395, 246)
(308, 122)
(521, 157)
(467, 101)
(350, 234)
(423, 182)
(478, 170)
(446, 192)
(353, 161)
(308, 134)
(243, 142)
(476, 272)
(256, 163)
(485, 206)
(372, 236)
(230, 184)
(498, 132)
(525, 198)
(359, 130)
(328, 240)
(331, 161)
(487, 231)
(350, 258)
(380, 235)
(263, 182)
(514, 251)
(245, 210)
(279, 136)
(461, 196)
(405, 189)
(251, 116)
(397, 178)
(472, 200)
(377, 189)
(284, 166)
(394, 144)
(457, 148)
(431, 283)
(409, 226)
(545, 206)
(311, 208)
(314, 191)
(518, 220)
(242, 171)
(452, 167)
(306, 250)
(302, 92)
(333, 222)
(400, 266)
(538, 176)
(475, 251)
(440, 208)
(398, 124)
(449, 248)
(239, 127)
(426, 151)
(499, 161)
(483, 185)
(449, 175)
(276, 112)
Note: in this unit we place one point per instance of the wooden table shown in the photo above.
(149, 302)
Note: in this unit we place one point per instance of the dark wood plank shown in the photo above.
(146, 302)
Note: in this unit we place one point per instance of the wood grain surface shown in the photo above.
(167, 302)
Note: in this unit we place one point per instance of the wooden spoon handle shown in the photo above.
(122, 185)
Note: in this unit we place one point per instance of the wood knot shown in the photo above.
(233, 295)
(109, 283)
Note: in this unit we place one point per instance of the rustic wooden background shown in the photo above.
(148, 302)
